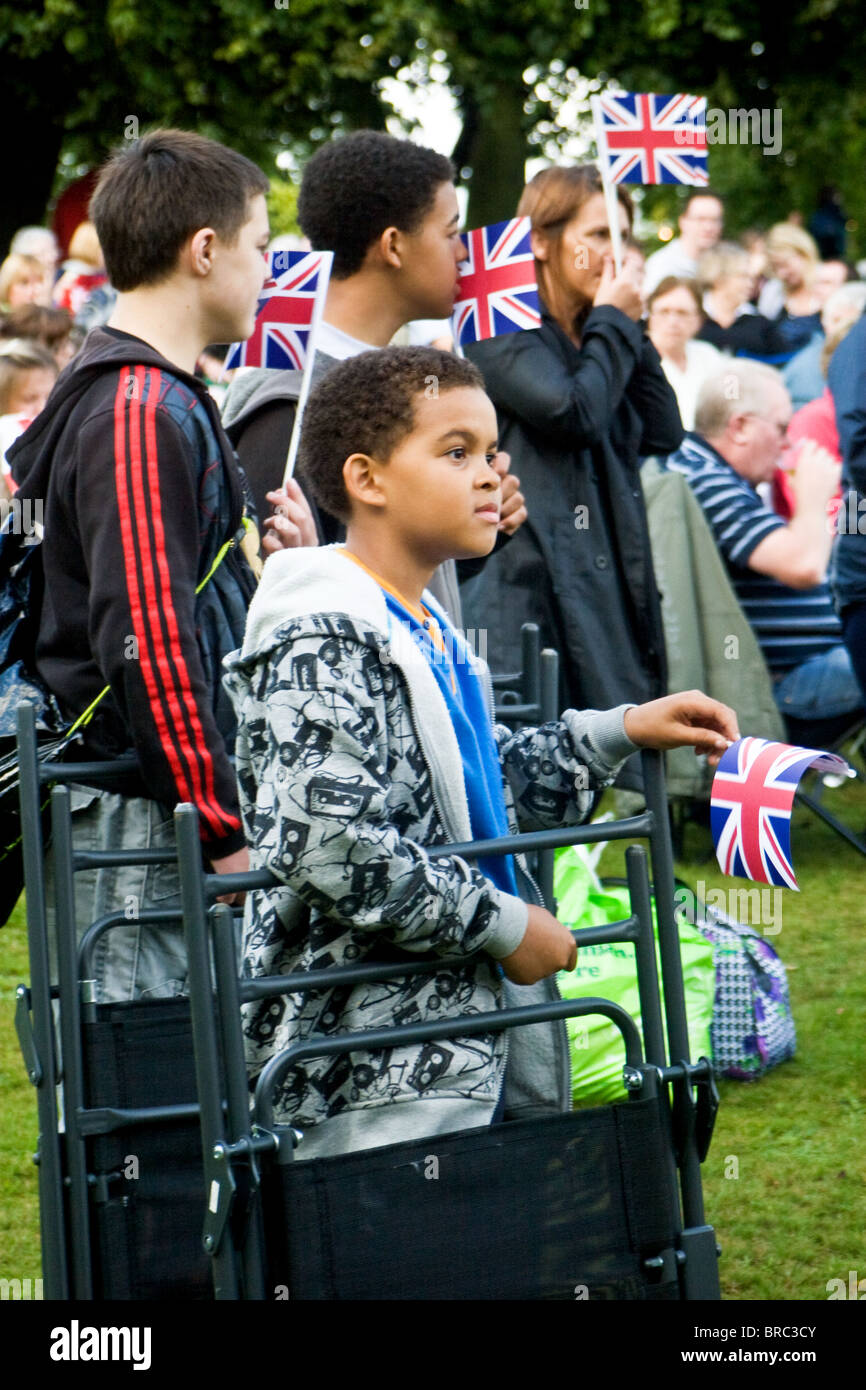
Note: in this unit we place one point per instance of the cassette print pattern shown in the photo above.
(337, 801)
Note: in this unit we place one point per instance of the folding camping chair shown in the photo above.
(585, 1204)
(847, 738)
(530, 696)
(120, 1182)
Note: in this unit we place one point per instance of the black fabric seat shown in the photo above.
(581, 1201)
(146, 1179)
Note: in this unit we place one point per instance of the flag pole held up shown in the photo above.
(645, 138)
(291, 457)
(611, 201)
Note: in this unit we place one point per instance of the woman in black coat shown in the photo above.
(580, 401)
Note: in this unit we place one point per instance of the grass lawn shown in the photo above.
(794, 1215)
(19, 1202)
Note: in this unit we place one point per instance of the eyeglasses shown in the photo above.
(781, 429)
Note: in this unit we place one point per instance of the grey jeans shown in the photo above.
(130, 961)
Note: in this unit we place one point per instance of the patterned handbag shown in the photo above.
(753, 1027)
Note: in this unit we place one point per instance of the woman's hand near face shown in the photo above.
(622, 291)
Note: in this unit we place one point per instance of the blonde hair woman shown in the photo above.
(22, 281)
(793, 258)
(731, 323)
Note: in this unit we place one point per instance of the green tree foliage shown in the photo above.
(271, 77)
(283, 207)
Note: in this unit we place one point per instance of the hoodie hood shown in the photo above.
(316, 592)
(256, 387)
(104, 350)
(304, 583)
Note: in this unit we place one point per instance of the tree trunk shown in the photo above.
(34, 134)
(497, 155)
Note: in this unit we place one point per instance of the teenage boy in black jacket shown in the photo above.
(142, 495)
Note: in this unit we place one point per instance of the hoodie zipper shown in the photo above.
(449, 830)
(559, 1025)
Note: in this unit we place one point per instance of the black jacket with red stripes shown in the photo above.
(140, 489)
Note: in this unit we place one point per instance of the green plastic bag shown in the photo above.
(609, 972)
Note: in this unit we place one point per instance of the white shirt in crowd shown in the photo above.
(419, 333)
(670, 260)
(702, 360)
(338, 344)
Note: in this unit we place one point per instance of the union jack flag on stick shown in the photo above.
(287, 313)
(498, 289)
(750, 806)
(644, 138)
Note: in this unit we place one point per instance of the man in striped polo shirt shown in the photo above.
(778, 569)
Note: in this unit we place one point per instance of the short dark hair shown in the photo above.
(364, 405)
(356, 186)
(677, 282)
(154, 193)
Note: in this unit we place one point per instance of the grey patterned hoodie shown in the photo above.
(349, 774)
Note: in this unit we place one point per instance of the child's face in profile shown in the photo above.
(29, 392)
(441, 493)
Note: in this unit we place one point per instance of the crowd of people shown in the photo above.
(434, 493)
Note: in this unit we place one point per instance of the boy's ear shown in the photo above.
(361, 480)
(389, 247)
(199, 250)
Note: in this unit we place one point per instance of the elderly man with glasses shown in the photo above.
(777, 568)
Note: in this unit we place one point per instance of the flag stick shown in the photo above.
(295, 440)
(611, 201)
(321, 295)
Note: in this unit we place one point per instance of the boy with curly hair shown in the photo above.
(366, 738)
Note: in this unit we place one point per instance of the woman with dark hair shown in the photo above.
(674, 317)
(579, 401)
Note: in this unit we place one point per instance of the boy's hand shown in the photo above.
(292, 523)
(547, 946)
(237, 863)
(678, 720)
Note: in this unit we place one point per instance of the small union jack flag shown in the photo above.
(498, 289)
(643, 138)
(750, 806)
(287, 312)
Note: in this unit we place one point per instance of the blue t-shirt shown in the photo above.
(462, 689)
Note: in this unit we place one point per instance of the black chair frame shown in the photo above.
(236, 1145)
